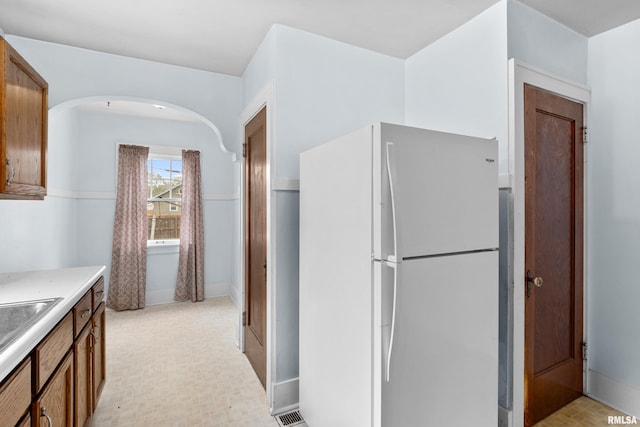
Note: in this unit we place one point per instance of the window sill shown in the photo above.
(163, 246)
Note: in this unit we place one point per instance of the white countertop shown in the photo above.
(69, 284)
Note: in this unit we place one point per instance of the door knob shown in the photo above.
(537, 281)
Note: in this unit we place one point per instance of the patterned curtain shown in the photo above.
(190, 284)
(129, 251)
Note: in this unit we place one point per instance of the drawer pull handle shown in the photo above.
(85, 313)
(43, 413)
(13, 172)
(96, 332)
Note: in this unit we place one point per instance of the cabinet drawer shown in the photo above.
(52, 349)
(82, 313)
(15, 395)
(98, 293)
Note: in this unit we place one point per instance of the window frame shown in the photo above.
(164, 153)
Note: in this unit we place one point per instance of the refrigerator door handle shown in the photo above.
(393, 180)
(396, 277)
(395, 260)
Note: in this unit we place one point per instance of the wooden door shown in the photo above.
(553, 252)
(255, 316)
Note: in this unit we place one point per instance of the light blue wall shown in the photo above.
(323, 89)
(261, 69)
(45, 234)
(459, 83)
(98, 135)
(38, 235)
(74, 73)
(613, 205)
(542, 42)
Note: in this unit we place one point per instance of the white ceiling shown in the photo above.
(223, 35)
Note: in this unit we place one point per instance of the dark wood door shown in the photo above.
(553, 252)
(255, 317)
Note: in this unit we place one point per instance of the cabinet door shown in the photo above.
(24, 111)
(83, 348)
(15, 395)
(55, 405)
(99, 354)
(26, 422)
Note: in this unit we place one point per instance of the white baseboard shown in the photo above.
(234, 294)
(620, 396)
(212, 290)
(165, 296)
(285, 396)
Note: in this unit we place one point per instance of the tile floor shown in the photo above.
(178, 365)
(583, 412)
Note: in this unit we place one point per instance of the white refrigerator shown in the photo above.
(399, 280)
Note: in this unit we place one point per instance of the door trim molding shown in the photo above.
(519, 74)
(264, 98)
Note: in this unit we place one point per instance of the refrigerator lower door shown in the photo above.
(444, 366)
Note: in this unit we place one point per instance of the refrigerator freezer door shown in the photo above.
(444, 369)
(445, 192)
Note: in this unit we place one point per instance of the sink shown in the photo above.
(17, 317)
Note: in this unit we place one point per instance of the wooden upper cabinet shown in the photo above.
(23, 128)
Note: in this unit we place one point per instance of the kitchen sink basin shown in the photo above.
(17, 317)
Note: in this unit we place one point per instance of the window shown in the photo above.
(164, 197)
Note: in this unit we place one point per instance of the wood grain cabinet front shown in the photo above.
(51, 350)
(23, 140)
(54, 407)
(15, 395)
(26, 422)
(89, 355)
(82, 312)
(82, 357)
(60, 381)
(98, 293)
(99, 353)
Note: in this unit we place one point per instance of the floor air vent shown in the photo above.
(290, 419)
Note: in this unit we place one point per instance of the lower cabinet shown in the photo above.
(54, 407)
(59, 383)
(82, 354)
(99, 358)
(89, 357)
(15, 395)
